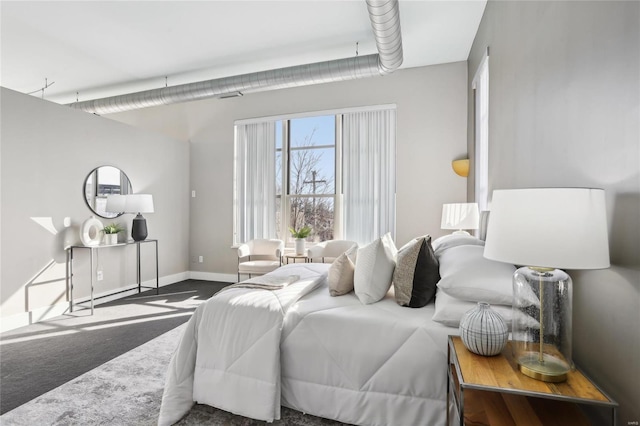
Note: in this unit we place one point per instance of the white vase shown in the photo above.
(110, 239)
(90, 231)
(299, 245)
(483, 331)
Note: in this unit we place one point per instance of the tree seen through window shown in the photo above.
(309, 176)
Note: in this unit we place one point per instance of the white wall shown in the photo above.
(47, 151)
(431, 110)
(564, 108)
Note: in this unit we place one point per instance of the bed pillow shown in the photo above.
(374, 269)
(340, 274)
(450, 310)
(467, 275)
(453, 240)
(416, 273)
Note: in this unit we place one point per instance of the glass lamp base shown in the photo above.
(550, 369)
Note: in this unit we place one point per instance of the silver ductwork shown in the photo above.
(385, 21)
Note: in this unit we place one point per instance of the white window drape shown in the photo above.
(481, 86)
(255, 184)
(369, 175)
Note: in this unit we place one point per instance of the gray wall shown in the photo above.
(47, 151)
(431, 113)
(564, 111)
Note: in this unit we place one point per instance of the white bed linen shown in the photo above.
(229, 355)
(378, 364)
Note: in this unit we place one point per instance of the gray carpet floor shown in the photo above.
(128, 391)
(42, 356)
(127, 388)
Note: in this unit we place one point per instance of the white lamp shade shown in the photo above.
(460, 216)
(563, 228)
(139, 203)
(115, 203)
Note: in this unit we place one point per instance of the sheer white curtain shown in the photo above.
(481, 86)
(255, 184)
(369, 175)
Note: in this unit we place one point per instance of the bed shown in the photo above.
(249, 351)
(377, 364)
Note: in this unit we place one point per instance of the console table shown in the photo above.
(94, 249)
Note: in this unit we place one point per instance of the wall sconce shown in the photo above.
(461, 167)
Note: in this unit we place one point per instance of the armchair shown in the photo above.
(261, 256)
(328, 251)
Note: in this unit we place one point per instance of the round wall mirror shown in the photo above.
(102, 182)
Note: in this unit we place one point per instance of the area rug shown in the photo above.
(127, 391)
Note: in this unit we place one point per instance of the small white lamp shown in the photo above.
(546, 228)
(138, 203)
(460, 216)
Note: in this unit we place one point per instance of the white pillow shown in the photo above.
(467, 275)
(374, 269)
(453, 240)
(450, 310)
(340, 274)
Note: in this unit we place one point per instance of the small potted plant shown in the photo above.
(300, 236)
(111, 233)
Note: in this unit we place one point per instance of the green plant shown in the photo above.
(112, 228)
(300, 233)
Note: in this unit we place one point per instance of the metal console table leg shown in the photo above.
(92, 267)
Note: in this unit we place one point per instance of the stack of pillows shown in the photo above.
(453, 265)
(467, 278)
(413, 271)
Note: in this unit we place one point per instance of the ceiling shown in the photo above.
(93, 49)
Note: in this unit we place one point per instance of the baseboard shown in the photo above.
(20, 320)
(47, 312)
(213, 276)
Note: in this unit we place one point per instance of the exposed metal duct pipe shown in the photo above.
(385, 21)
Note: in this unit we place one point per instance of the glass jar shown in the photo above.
(541, 328)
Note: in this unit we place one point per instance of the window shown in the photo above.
(300, 171)
(481, 94)
(308, 148)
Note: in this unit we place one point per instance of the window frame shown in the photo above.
(480, 86)
(286, 196)
(282, 229)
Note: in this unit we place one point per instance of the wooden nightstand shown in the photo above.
(491, 391)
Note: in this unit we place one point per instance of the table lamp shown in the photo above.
(460, 216)
(115, 204)
(138, 203)
(545, 229)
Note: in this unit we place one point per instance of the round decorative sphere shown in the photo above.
(483, 331)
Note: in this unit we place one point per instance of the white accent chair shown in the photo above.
(261, 255)
(328, 251)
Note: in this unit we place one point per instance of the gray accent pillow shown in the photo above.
(416, 273)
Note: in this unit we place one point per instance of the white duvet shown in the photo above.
(248, 352)
(229, 355)
(378, 364)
